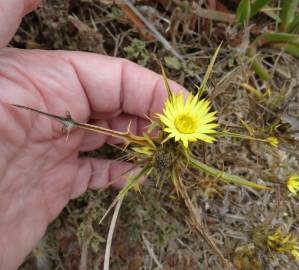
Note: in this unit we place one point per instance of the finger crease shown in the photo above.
(82, 87)
(92, 171)
(121, 87)
(150, 108)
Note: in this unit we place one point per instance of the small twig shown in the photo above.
(84, 256)
(69, 123)
(151, 252)
(278, 204)
(154, 31)
(198, 224)
(110, 234)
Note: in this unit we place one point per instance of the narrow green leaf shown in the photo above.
(256, 65)
(271, 14)
(294, 26)
(228, 178)
(202, 87)
(243, 12)
(257, 6)
(260, 70)
(288, 13)
(170, 94)
(269, 37)
(288, 48)
(291, 41)
(133, 181)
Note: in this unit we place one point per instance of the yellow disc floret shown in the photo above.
(188, 121)
(185, 123)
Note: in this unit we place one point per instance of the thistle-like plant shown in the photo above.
(168, 155)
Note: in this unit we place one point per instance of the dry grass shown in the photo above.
(154, 230)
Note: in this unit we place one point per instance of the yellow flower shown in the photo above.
(283, 243)
(273, 141)
(295, 253)
(293, 184)
(188, 121)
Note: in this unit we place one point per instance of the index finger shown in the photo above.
(114, 85)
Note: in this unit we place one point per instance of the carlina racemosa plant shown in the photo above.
(167, 155)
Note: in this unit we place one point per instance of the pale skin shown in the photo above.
(39, 170)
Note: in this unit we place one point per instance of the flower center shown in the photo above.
(185, 124)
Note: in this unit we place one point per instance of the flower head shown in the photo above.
(273, 141)
(293, 184)
(283, 243)
(188, 121)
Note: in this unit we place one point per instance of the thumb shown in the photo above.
(11, 13)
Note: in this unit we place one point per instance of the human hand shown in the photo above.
(39, 171)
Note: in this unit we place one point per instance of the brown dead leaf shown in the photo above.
(138, 24)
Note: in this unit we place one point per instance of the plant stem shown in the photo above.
(228, 178)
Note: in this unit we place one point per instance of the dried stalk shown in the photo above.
(69, 124)
(198, 224)
(110, 234)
